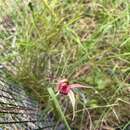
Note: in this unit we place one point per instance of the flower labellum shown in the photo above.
(63, 87)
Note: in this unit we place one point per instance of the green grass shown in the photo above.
(58, 107)
(58, 39)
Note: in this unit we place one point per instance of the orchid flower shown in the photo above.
(67, 89)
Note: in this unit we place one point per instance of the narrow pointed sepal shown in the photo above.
(72, 99)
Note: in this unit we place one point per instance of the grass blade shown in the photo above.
(57, 105)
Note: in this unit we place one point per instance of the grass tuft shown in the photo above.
(84, 41)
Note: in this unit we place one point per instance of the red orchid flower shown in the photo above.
(65, 88)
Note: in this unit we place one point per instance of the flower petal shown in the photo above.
(77, 86)
(72, 99)
(64, 81)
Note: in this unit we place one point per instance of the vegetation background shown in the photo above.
(85, 41)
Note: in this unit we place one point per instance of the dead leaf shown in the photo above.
(84, 70)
